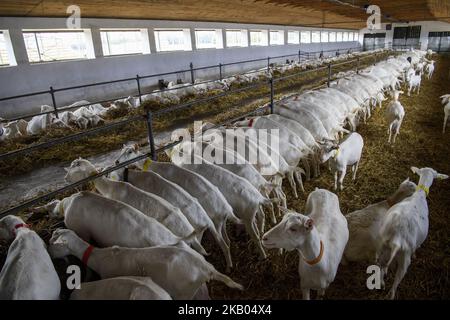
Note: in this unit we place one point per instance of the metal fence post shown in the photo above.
(151, 140)
(357, 65)
(191, 66)
(220, 71)
(329, 75)
(271, 94)
(139, 89)
(268, 64)
(52, 92)
(299, 56)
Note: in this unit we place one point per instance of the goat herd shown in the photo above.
(147, 222)
(83, 114)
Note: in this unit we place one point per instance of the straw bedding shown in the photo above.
(382, 169)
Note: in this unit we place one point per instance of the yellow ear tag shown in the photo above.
(146, 164)
(336, 154)
(61, 209)
(422, 187)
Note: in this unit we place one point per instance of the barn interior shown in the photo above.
(120, 54)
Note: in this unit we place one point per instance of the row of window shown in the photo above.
(44, 46)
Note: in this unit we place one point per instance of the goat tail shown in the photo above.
(216, 275)
(194, 236)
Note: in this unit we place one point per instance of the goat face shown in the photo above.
(290, 233)
(128, 153)
(78, 170)
(59, 243)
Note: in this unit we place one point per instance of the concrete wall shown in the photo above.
(426, 27)
(25, 77)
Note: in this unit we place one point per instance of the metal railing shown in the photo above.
(149, 116)
(119, 123)
(57, 109)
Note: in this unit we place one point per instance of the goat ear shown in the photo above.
(415, 170)
(441, 176)
(309, 224)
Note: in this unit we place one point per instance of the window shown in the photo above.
(324, 36)
(258, 38)
(44, 46)
(173, 40)
(276, 38)
(332, 37)
(315, 36)
(117, 42)
(305, 37)
(345, 36)
(4, 57)
(339, 36)
(236, 38)
(293, 37)
(356, 36)
(208, 39)
(350, 36)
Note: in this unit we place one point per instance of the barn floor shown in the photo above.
(383, 167)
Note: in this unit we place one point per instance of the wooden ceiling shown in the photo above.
(318, 13)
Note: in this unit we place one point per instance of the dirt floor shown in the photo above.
(383, 167)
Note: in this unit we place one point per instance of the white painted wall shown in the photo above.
(426, 27)
(26, 77)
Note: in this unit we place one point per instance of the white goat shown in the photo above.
(110, 222)
(364, 225)
(347, 153)
(178, 271)
(414, 83)
(446, 102)
(394, 116)
(405, 228)
(243, 197)
(147, 203)
(430, 69)
(121, 288)
(28, 272)
(177, 196)
(208, 195)
(319, 236)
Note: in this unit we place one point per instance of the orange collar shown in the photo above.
(318, 258)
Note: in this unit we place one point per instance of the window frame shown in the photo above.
(345, 36)
(244, 38)
(265, 38)
(315, 32)
(7, 53)
(145, 49)
(334, 36)
(309, 36)
(218, 38)
(280, 33)
(298, 36)
(88, 43)
(187, 45)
